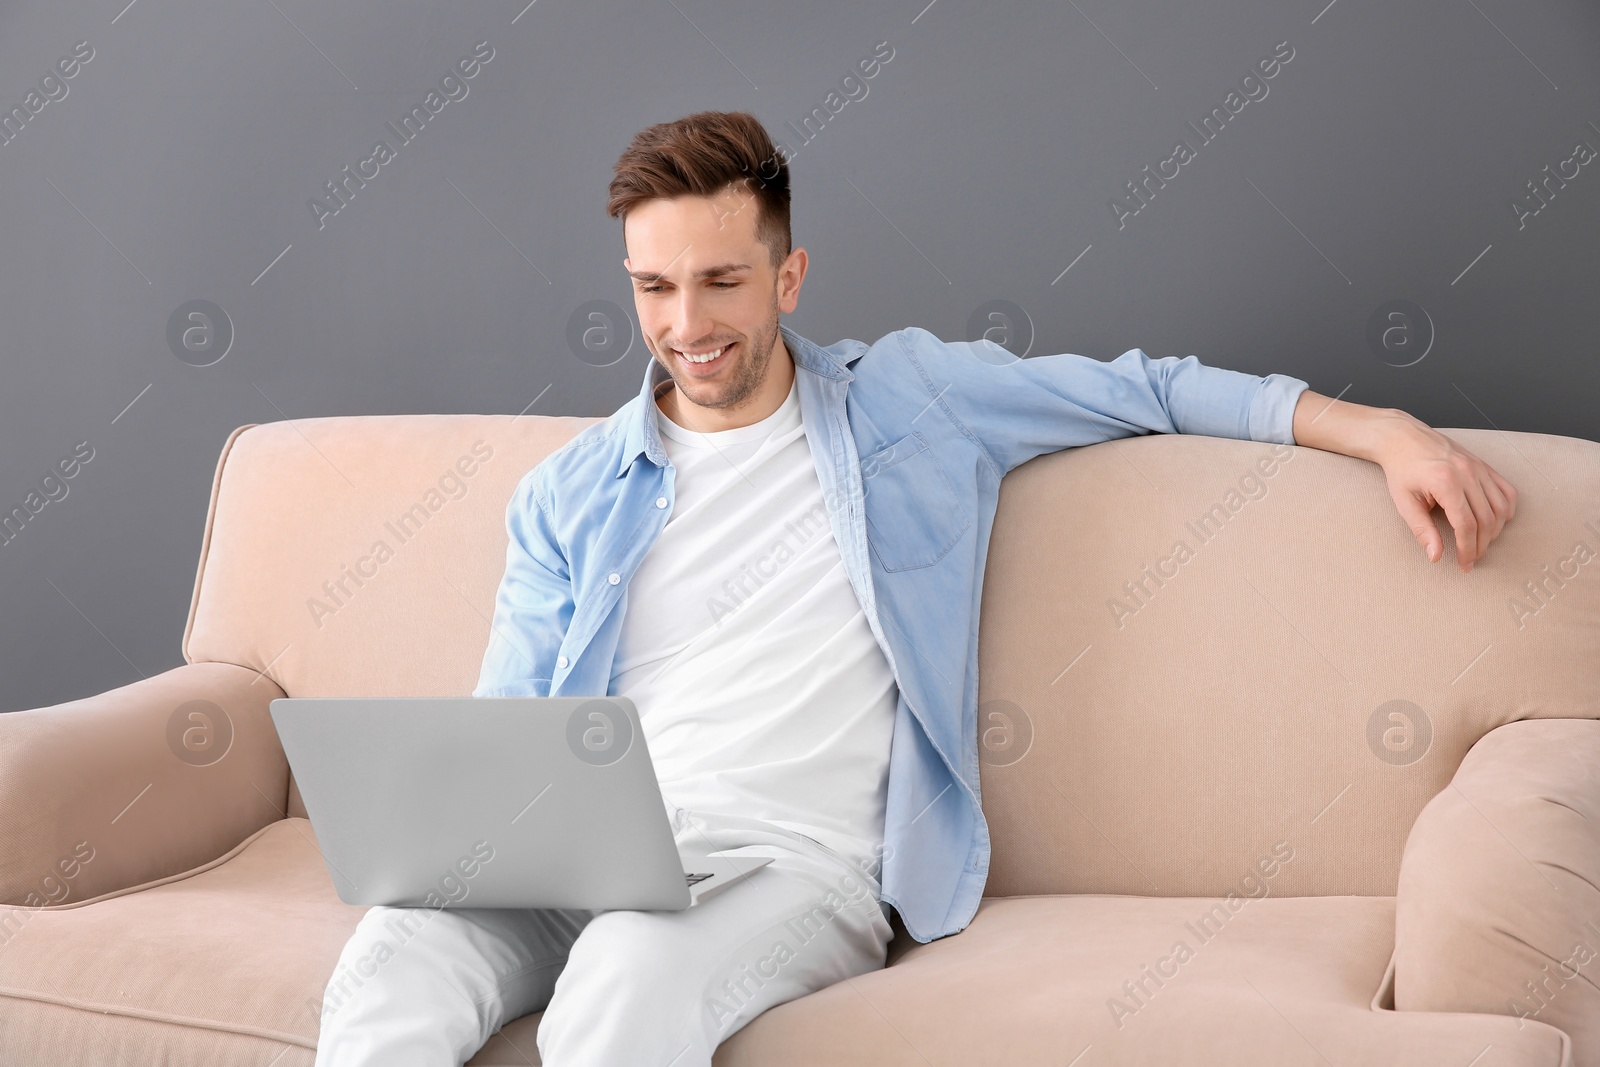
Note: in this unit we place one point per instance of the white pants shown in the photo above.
(425, 987)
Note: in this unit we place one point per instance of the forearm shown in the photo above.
(1340, 426)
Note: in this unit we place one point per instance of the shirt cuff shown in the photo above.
(1272, 409)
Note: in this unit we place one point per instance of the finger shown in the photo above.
(1509, 490)
(1497, 500)
(1483, 515)
(1418, 515)
(1459, 512)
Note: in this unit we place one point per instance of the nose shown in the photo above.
(691, 319)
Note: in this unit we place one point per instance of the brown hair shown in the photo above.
(700, 155)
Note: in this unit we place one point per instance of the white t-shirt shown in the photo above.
(760, 687)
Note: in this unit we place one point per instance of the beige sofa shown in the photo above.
(1290, 795)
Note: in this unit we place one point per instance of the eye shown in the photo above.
(658, 288)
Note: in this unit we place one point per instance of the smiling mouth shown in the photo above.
(706, 358)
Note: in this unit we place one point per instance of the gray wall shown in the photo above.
(1383, 164)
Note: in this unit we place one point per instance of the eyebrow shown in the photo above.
(708, 272)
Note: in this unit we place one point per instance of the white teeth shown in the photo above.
(707, 358)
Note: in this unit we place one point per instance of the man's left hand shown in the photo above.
(1423, 467)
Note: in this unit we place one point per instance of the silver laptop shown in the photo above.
(492, 802)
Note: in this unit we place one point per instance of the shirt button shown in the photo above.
(613, 577)
(661, 501)
(561, 661)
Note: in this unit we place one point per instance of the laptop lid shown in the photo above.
(488, 802)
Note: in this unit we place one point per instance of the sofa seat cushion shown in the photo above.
(225, 965)
(1094, 981)
(220, 966)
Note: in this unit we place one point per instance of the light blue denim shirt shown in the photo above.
(911, 436)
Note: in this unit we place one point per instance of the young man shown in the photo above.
(776, 550)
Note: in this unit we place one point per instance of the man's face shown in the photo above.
(702, 282)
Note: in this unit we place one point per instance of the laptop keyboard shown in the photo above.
(695, 879)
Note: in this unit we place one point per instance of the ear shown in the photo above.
(790, 277)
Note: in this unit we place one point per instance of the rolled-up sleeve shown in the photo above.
(1022, 408)
(534, 604)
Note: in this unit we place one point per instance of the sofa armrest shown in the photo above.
(1498, 904)
(136, 784)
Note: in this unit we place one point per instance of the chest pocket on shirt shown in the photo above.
(914, 512)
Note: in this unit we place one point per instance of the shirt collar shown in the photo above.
(643, 436)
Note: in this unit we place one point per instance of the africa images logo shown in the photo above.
(1252, 88)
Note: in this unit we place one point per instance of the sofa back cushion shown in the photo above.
(1205, 665)
(1211, 666)
(360, 556)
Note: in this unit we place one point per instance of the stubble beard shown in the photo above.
(747, 377)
